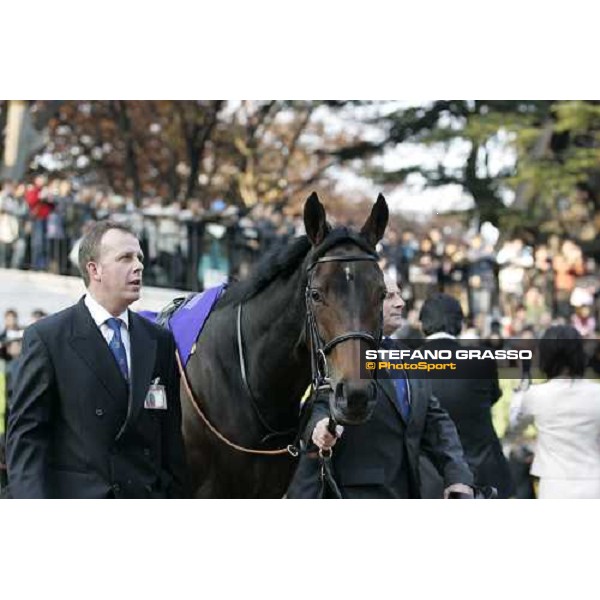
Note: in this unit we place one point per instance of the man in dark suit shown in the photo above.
(468, 401)
(380, 458)
(80, 422)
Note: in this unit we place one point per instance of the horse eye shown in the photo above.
(315, 295)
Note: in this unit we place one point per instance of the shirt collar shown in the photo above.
(440, 335)
(100, 314)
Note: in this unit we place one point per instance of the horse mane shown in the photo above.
(279, 262)
(282, 262)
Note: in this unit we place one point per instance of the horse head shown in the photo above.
(344, 305)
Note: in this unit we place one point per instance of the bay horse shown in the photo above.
(305, 309)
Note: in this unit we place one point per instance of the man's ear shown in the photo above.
(375, 225)
(93, 271)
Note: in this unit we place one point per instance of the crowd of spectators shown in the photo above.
(506, 287)
(185, 245)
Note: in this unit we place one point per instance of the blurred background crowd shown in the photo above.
(505, 285)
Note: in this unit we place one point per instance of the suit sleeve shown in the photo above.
(29, 419)
(174, 459)
(319, 409)
(441, 444)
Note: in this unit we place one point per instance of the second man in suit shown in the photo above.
(380, 458)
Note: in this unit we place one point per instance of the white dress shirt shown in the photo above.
(101, 315)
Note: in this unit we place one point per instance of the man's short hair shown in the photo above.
(441, 313)
(90, 247)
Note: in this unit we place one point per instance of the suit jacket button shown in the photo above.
(116, 488)
(146, 451)
(99, 412)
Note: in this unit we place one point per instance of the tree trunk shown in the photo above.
(119, 108)
(197, 145)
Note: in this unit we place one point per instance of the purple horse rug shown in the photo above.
(188, 320)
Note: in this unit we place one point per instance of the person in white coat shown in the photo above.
(566, 413)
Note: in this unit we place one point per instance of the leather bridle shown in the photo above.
(319, 350)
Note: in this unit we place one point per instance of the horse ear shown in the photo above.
(377, 222)
(314, 220)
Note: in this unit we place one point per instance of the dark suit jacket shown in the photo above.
(77, 430)
(380, 458)
(469, 403)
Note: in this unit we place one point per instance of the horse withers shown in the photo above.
(299, 318)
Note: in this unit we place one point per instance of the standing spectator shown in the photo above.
(11, 323)
(9, 224)
(408, 251)
(39, 209)
(513, 258)
(468, 402)
(55, 230)
(10, 351)
(168, 245)
(535, 305)
(481, 277)
(37, 314)
(566, 413)
(583, 321)
(567, 265)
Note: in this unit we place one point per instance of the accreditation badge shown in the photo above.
(156, 398)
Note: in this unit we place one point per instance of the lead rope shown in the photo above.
(290, 449)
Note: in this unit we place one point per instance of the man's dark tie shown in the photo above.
(116, 346)
(401, 386)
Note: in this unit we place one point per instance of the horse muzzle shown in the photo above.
(352, 403)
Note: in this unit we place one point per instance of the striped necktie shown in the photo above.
(116, 346)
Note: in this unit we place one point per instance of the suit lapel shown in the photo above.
(90, 345)
(143, 357)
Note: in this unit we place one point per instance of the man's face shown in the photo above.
(393, 305)
(10, 321)
(117, 275)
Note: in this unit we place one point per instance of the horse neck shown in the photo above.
(276, 355)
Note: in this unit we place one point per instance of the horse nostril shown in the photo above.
(339, 390)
